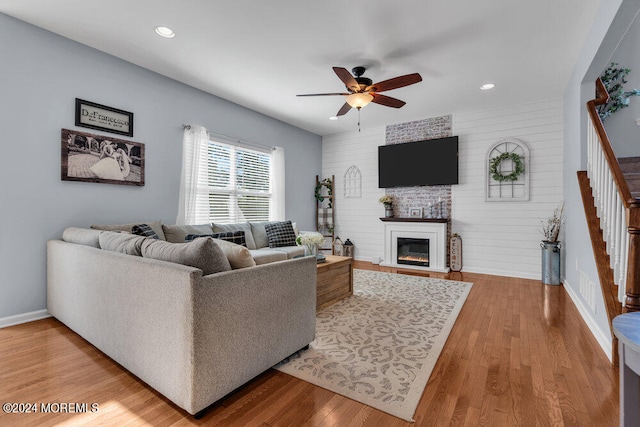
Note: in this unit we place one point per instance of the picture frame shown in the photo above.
(100, 117)
(415, 213)
(88, 157)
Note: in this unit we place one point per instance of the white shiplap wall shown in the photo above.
(504, 237)
(498, 237)
(357, 219)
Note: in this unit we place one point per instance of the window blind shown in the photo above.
(236, 181)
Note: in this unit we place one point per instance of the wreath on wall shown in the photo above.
(494, 166)
(324, 183)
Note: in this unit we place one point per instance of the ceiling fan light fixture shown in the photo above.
(333, 118)
(359, 100)
(487, 86)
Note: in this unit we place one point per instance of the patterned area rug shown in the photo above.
(379, 346)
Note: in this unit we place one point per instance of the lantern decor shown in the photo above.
(348, 249)
(337, 246)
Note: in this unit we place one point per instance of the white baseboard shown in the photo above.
(506, 273)
(603, 337)
(23, 318)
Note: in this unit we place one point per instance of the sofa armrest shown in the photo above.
(259, 315)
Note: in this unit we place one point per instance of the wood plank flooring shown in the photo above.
(519, 354)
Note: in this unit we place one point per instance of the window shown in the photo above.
(237, 183)
(228, 182)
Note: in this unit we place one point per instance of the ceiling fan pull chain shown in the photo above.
(359, 119)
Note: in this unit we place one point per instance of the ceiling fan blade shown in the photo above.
(323, 94)
(344, 110)
(347, 78)
(395, 83)
(387, 101)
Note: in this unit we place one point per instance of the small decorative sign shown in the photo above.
(415, 213)
(101, 117)
(99, 158)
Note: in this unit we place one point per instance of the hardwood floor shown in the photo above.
(519, 354)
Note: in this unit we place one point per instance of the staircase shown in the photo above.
(610, 190)
(630, 168)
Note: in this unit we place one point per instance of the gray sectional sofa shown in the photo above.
(191, 336)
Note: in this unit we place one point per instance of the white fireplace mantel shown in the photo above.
(434, 230)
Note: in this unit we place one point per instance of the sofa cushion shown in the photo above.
(177, 233)
(236, 237)
(266, 255)
(201, 253)
(260, 234)
(125, 243)
(82, 236)
(237, 255)
(144, 230)
(291, 251)
(244, 226)
(155, 225)
(280, 234)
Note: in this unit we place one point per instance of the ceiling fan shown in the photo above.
(362, 90)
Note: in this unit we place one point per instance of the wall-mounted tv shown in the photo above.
(429, 162)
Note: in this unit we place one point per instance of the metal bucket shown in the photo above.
(550, 262)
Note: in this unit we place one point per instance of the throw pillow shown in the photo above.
(280, 234)
(243, 226)
(124, 243)
(155, 225)
(236, 237)
(201, 253)
(238, 256)
(177, 233)
(144, 230)
(82, 236)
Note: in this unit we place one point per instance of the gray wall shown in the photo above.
(621, 126)
(41, 74)
(580, 274)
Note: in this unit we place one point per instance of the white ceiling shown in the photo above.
(260, 54)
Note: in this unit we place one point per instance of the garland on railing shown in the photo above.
(518, 167)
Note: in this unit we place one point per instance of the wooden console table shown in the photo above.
(335, 280)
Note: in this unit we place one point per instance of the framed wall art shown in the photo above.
(100, 117)
(98, 158)
(415, 213)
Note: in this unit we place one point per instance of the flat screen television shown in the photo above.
(429, 162)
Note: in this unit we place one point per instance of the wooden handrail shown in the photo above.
(631, 204)
(592, 107)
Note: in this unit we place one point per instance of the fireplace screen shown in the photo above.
(413, 251)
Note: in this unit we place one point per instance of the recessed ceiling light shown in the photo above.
(487, 86)
(165, 32)
(333, 118)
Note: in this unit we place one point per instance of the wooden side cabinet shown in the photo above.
(335, 280)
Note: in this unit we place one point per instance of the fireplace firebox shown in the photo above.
(413, 251)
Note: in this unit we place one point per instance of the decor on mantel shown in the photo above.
(507, 164)
(551, 247)
(387, 201)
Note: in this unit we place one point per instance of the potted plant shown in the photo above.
(551, 247)
(387, 201)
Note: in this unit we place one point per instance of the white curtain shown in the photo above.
(191, 208)
(277, 211)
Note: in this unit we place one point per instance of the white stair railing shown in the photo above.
(609, 201)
